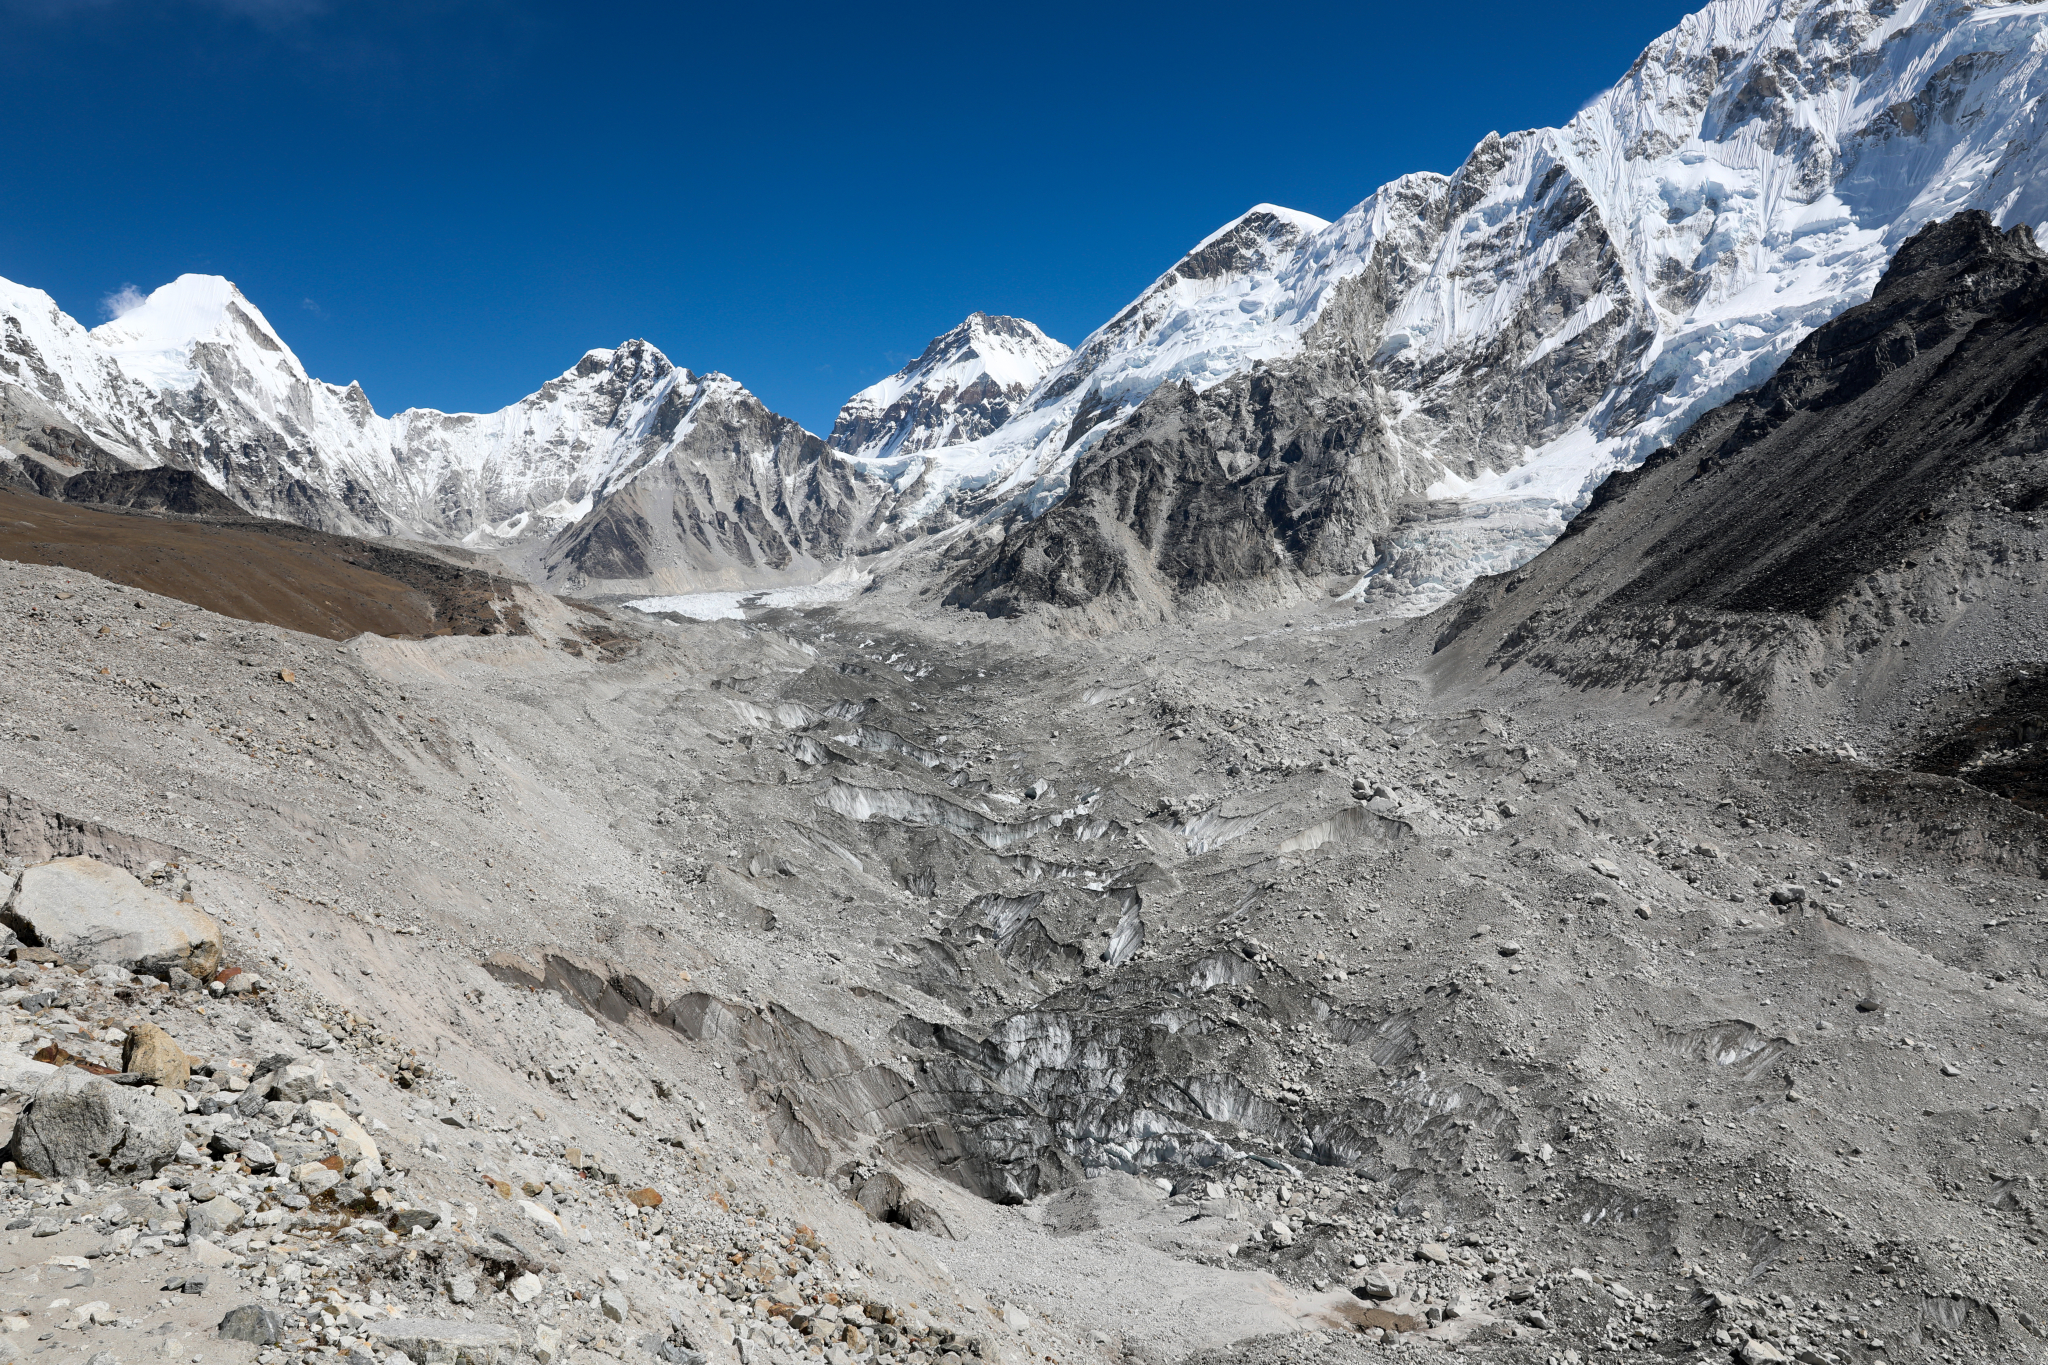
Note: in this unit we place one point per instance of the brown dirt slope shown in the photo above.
(265, 571)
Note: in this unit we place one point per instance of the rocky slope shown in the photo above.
(1827, 524)
(722, 493)
(1204, 497)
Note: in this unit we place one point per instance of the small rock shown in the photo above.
(316, 1178)
(1645, 911)
(1375, 1287)
(356, 1146)
(1511, 948)
(405, 1220)
(614, 1305)
(437, 1341)
(1951, 1069)
(153, 1054)
(636, 1111)
(254, 1323)
(214, 1219)
(1788, 895)
(1609, 870)
(1436, 1253)
(1015, 1318)
(646, 1198)
(526, 1288)
(462, 1289)
(210, 1255)
(1759, 1352)
(547, 1345)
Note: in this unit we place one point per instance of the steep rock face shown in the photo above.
(1846, 507)
(967, 383)
(731, 495)
(1203, 495)
(1572, 299)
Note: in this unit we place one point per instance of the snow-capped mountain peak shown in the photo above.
(155, 340)
(968, 382)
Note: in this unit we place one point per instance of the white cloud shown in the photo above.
(123, 301)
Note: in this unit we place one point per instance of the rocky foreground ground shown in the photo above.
(820, 986)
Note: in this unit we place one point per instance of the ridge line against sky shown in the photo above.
(449, 201)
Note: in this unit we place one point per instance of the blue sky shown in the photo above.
(450, 201)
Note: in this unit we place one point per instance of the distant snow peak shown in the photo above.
(156, 338)
(195, 376)
(968, 382)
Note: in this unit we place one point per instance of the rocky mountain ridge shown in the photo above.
(1570, 300)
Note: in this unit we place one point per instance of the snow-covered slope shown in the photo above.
(1570, 299)
(196, 377)
(1217, 310)
(967, 383)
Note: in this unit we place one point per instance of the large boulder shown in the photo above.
(89, 911)
(77, 1124)
(431, 1341)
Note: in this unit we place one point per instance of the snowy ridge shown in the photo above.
(1220, 308)
(196, 376)
(967, 383)
(1571, 299)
